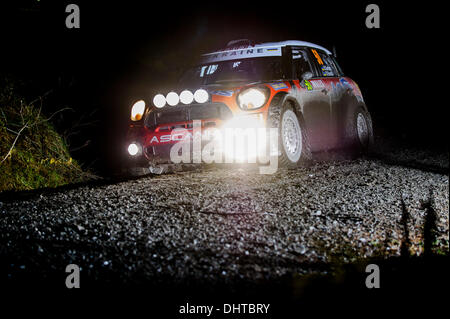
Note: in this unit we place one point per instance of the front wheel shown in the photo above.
(293, 144)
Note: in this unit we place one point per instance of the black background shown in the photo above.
(126, 51)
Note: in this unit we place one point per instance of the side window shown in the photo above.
(300, 63)
(338, 67)
(325, 64)
(328, 68)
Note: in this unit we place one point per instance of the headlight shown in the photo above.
(137, 110)
(134, 149)
(159, 101)
(201, 96)
(186, 97)
(172, 99)
(252, 98)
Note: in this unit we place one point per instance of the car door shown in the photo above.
(316, 102)
(331, 77)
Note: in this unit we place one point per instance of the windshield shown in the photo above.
(244, 70)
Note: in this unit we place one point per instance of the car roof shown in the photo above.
(281, 44)
(294, 43)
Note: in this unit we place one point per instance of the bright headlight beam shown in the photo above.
(244, 137)
(137, 110)
(201, 96)
(186, 97)
(172, 99)
(159, 100)
(245, 121)
(252, 99)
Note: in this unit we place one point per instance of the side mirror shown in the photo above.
(307, 75)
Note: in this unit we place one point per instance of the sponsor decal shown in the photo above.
(223, 93)
(317, 84)
(356, 91)
(170, 138)
(241, 54)
(308, 85)
(209, 69)
(162, 139)
(345, 83)
(341, 86)
(181, 135)
(327, 70)
(279, 86)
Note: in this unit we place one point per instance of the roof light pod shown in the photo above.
(201, 96)
(172, 99)
(186, 97)
(159, 100)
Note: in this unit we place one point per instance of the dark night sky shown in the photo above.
(124, 51)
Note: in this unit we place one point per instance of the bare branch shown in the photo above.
(28, 125)
(49, 118)
(14, 132)
(42, 97)
(14, 143)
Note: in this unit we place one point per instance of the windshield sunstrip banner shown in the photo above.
(241, 54)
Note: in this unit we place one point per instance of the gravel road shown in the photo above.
(227, 223)
(298, 240)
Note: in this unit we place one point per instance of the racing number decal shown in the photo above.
(278, 86)
(319, 59)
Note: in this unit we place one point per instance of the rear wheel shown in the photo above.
(293, 145)
(359, 132)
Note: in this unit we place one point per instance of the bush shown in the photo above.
(32, 154)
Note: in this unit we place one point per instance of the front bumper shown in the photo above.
(230, 137)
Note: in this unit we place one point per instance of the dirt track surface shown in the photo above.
(227, 223)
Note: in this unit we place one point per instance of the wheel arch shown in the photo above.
(274, 116)
(284, 97)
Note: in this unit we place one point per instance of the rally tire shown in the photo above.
(358, 131)
(293, 145)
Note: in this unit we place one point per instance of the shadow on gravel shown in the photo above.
(392, 151)
(429, 227)
(424, 161)
(406, 242)
(9, 196)
(410, 163)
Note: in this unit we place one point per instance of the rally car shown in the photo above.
(295, 87)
